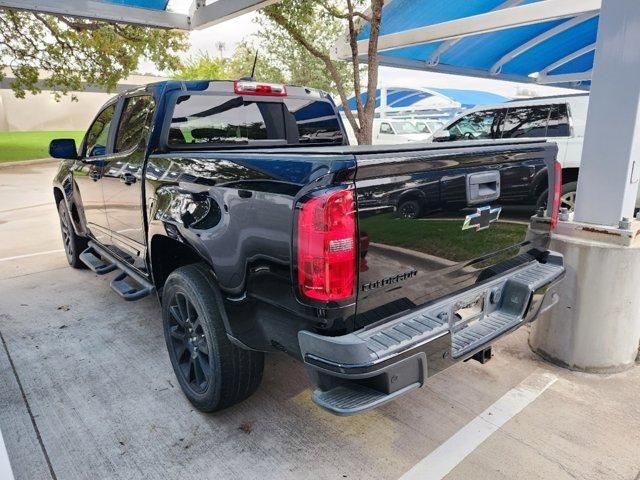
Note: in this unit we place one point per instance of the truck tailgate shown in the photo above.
(431, 222)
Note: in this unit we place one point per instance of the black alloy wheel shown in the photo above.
(213, 372)
(189, 343)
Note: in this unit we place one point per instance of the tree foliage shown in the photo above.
(280, 59)
(313, 26)
(281, 51)
(202, 67)
(207, 67)
(72, 51)
(241, 65)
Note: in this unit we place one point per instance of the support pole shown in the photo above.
(383, 102)
(608, 181)
(596, 325)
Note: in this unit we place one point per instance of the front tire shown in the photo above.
(213, 372)
(73, 244)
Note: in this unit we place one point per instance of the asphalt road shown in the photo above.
(87, 392)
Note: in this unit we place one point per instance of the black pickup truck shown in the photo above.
(241, 206)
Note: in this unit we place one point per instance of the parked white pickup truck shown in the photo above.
(392, 131)
(559, 119)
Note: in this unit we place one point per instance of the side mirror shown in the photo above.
(64, 148)
(441, 136)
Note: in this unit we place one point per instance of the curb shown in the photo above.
(442, 264)
(22, 163)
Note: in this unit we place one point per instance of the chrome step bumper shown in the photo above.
(369, 367)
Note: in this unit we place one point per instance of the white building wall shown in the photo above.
(43, 112)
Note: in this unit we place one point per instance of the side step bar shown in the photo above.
(93, 260)
(128, 283)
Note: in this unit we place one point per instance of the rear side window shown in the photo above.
(423, 127)
(386, 128)
(527, 122)
(478, 125)
(210, 120)
(312, 122)
(134, 122)
(98, 134)
(559, 122)
(405, 127)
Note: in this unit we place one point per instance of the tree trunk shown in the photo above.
(366, 120)
(365, 133)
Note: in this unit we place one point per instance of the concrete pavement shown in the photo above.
(87, 391)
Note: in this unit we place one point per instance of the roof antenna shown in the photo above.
(251, 78)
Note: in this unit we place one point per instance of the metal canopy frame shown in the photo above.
(508, 15)
(201, 15)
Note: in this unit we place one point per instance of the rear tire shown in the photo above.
(213, 372)
(73, 244)
(567, 197)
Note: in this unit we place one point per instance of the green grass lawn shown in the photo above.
(30, 145)
(442, 238)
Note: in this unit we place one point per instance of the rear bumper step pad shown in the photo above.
(354, 398)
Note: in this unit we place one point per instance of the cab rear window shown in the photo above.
(215, 120)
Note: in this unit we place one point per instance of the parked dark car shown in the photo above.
(242, 207)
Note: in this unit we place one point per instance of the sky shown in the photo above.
(232, 32)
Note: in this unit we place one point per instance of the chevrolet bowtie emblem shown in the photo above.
(482, 219)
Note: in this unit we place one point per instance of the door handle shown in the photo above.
(245, 193)
(128, 178)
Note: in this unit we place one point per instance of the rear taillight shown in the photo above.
(557, 193)
(327, 246)
(254, 88)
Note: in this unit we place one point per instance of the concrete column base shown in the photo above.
(595, 327)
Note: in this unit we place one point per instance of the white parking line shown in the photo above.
(18, 257)
(448, 455)
(5, 466)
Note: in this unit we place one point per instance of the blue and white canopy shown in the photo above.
(543, 41)
(151, 13)
(149, 4)
(405, 98)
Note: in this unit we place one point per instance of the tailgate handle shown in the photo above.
(483, 187)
